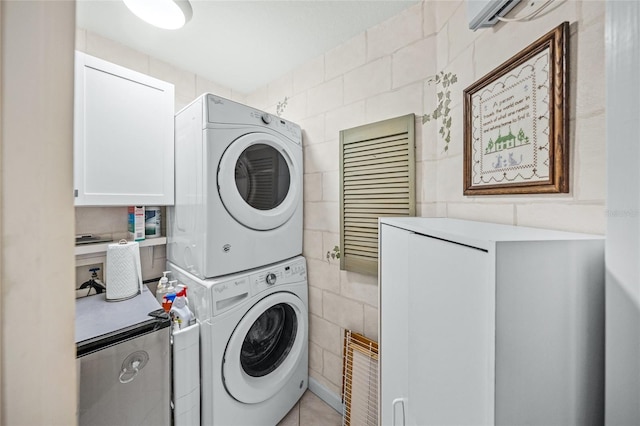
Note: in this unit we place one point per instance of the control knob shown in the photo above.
(266, 118)
(271, 278)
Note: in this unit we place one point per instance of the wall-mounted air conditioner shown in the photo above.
(485, 13)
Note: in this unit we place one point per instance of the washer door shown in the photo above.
(265, 348)
(258, 181)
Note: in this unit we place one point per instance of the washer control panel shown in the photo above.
(282, 274)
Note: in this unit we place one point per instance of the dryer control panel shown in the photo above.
(225, 111)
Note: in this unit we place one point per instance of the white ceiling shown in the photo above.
(241, 44)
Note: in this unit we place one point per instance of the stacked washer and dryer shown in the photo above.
(235, 239)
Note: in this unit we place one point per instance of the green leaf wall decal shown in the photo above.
(444, 100)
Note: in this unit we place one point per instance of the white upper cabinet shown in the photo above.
(123, 136)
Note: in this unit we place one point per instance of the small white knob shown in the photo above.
(266, 118)
(271, 278)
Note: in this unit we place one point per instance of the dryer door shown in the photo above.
(258, 181)
(265, 348)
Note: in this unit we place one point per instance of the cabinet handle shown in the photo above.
(393, 410)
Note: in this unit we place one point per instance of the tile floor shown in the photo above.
(311, 411)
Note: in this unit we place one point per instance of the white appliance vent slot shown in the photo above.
(485, 13)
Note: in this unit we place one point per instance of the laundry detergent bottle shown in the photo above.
(180, 312)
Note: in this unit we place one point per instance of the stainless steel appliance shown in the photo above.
(123, 358)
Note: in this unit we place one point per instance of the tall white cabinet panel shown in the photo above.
(124, 136)
(396, 386)
(451, 333)
(504, 324)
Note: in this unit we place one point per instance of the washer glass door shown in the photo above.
(265, 348)
(257, 181)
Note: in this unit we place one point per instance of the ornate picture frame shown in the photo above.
(516, 122)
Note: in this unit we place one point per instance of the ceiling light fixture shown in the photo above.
(167, 14)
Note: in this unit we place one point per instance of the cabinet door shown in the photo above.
(123, 147)
(394, 325)
(451, 333)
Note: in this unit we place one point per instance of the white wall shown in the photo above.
(36, 219)
(623, 214)
(383, 73)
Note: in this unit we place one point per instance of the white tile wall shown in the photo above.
(258, 99)
(589, 152)
(321, 157)
(315, 357)
(340, 310)
(563, 216)
(368, 80)
(312, 244)
(322, 216)
(313, 186)
(359, 287)
(115, 52)
(332, 368)
(414, 63)
(323, 275)
(184, 81)
(325, 334)
(312, 130)
(204, 85)
(308, 75)
(483, 212)
(590, 97)
(315, 301)
(330, 185)
(326, 383)
(442, 11)
(405, 100)
(371, 322)
(295, 107)
(395, 33)
(459, 35)
(345, 117)
(329, 242)
(325, 97)
(429, 26)
(345, 57)
(591, 11)
(278, 89)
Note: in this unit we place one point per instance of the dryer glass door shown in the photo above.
(266, 348)
(258, 181)
(262, 177)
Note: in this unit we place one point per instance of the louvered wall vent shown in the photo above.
(377, 178)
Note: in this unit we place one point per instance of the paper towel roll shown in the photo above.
(124, 273)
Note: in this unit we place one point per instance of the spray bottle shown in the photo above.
(180, 312)
(169, 296)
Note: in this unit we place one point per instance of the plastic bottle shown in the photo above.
(163, 284)
(169, 296)
(180, 312)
